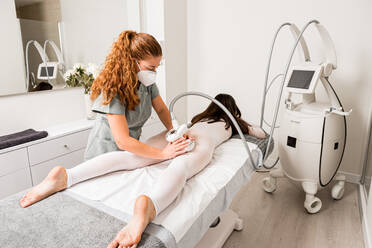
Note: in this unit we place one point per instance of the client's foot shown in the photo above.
(130, 235)
(54, 182)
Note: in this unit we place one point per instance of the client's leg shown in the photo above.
(165, 190)
(130, 235)
(174, 178)
(59, 178)
(54, 182)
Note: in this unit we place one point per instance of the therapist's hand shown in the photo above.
(174, 149)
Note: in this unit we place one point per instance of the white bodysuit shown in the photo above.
(172, 180)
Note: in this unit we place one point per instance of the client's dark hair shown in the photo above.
(214, 114)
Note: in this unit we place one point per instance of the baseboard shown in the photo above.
(362, 196)
(363, 215)
(351, 177)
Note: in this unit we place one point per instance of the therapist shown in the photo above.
(123, 95)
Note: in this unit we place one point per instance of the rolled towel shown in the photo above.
(21, 137)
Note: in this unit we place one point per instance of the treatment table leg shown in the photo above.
(217, 236)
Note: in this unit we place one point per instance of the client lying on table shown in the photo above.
(209, 129)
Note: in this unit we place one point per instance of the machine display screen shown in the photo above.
(301, 79)
(43, 71)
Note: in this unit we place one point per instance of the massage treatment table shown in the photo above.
(91, 213)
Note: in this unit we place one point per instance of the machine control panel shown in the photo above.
(304, 78)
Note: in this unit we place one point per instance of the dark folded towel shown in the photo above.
(21, 137)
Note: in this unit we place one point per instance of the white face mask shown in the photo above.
(146, 77)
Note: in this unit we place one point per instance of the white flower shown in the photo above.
(92, 69)
(68, 73)
(79, 65)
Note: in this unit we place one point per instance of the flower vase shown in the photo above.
(88, 105)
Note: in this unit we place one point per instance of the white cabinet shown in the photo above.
(15, 182)
(14, 172)
(13, 161)
(40, 171)
(57, 147)
(151, 129)
(27, 164)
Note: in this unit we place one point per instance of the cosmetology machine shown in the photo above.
(47, 70)
(312, 134)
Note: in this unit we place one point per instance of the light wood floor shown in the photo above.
(279, 219)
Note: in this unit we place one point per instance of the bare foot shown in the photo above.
(54, 182)
(130, 235)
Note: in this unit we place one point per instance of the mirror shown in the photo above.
(40, 30)
(45, 38)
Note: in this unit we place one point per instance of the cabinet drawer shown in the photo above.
(57, 147)
(150, 130)
(15, 182)
(40, 171)
(13, 161)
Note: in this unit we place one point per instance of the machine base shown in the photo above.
(312, 203)
(217, 236)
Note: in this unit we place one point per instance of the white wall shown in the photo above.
(228, 43)
(153, 18)
(175, 32)
(42, 109)
(152, 22)
(11, 64)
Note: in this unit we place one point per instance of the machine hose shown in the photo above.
(321, 151)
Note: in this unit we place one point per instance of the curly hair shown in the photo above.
(119, 75)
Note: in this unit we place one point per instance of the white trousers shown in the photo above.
(172, 179)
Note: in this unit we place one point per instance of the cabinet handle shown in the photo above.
(65, 146)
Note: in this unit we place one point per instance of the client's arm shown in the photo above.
(256, 131)
(120, 131)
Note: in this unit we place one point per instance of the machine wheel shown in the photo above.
(313, 206)
(238, 224)
(269, 184)
(338, 190)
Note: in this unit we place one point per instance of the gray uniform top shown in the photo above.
(100, 138)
